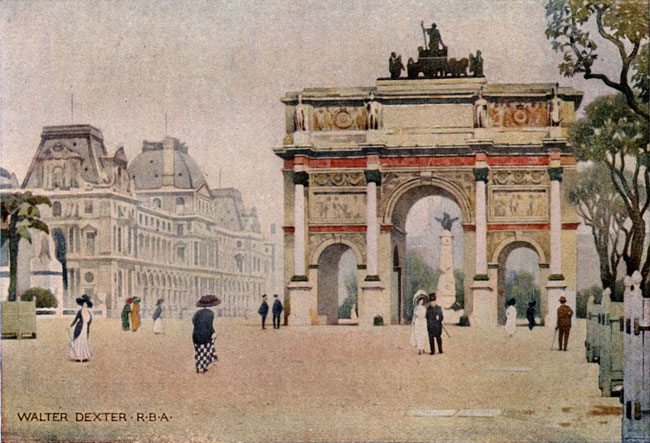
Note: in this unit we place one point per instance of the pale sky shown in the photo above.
(219, 68)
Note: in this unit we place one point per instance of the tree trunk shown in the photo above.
(14, 238)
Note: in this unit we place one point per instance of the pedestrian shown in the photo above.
(80, 339)
(264, 310)
(277, 310)
(419, 328)
(126, 314)
(157, 314)
(434, 323)
(564, 314)
(511, 317)
(530, 314)
(203, 335)
(135, 314)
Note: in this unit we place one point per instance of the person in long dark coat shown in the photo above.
(434, 323)
(203, 334)
(157, 317)
(80, 339)
(530, 314)
(263, 310)
(126, 315)
(277, 310)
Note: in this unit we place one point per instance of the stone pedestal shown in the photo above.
(484, 312)
(555, 132)
(483, 134)
(300, 299)
(554, 290)
(300, 138)
(446, 289)
(371, 304)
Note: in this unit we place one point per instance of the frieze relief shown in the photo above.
(353, 178)
(514, 204)
(317, 239)
(519, 177)
(517, 114)
(337, 207)
(340, 118)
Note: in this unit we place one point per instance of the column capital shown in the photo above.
(555, 173)
(301, 178)
(373, 175)
(481, 174)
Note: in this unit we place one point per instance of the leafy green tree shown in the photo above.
(19, 215)
(345, 310)
(420, 276)
(614, 136)
(44, 297)
(459, 276)
(622, 23)
(522, 287)
(602, 209)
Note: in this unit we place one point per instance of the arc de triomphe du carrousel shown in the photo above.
(356, 160)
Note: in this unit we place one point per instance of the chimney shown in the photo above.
(168, 161)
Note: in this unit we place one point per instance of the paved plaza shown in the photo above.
(323, 383)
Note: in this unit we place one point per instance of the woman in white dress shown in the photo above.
(511, 317)
(79, 340)
(419, 330)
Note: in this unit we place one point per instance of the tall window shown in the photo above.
(56, 209)
(90, 243)
(180, 205)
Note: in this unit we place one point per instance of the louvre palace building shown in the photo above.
(150, 228)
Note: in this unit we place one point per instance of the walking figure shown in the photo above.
(126, 315)
(434, 323)
(277, 310)
(564, 314)
(263, 310)
(80, 340)
(203, 335)
(530, 314)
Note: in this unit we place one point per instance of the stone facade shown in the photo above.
(357, 185)
(150, 228)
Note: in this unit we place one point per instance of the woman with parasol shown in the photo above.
(419, 329)
(203, 335)
(135, 314)
(79, 340)
(157, 320)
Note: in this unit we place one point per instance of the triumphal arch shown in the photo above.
(356, 159)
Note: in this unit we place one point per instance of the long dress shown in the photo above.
(419, 329)
(204, 353)
(126, 314)
(79, 342)
(135, 317)
(511, 320)
(157, 320)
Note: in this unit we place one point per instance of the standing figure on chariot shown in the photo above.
(436, 47)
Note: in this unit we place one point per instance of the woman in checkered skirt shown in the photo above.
(203, 336)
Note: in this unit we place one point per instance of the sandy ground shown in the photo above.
(324, 383)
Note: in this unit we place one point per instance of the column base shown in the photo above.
(554, 290)
(371, 303)
(300, 138)
(484, 311)
(301, 303)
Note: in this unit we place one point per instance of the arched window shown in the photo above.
(156, 203)
(180, 205)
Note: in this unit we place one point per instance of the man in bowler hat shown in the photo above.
(264, 310)
(434, 323)
(277, 310)
(564, 314)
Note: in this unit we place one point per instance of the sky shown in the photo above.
(218, 69)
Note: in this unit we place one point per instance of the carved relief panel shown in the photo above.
(338, 118)
(336, 207)
(515, 204)
(516, 114)
(520, 177)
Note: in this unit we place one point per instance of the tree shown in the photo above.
(601, 209)
(345, 310)
(613, 135)
(420, 276)
(19, 215)
(522, 287)
(622, 23)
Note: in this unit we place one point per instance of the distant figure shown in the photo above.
(434, 323)
(126, 315)
(530, 314)
(395, 65)
(446, 221)
(80, 339)
(564, 314)
(157, 320)
(554, 116)
(480, 111)
(476, 64)
(372, 108)
(300, 116)
(277, 310)
(263, 310)
(135, 314)
(511, 317)
(203, 335)
(419, 329)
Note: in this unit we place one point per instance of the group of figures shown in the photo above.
(433, 62)
(427, 323)
(340, 118)
(276, 311)
(517, 114)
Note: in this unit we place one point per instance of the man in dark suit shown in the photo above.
(564, 314)
(264, 310)
(434, 323)
(277, 310)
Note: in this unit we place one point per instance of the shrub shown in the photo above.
(44, 297)
(463, 321)
(378, 321)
